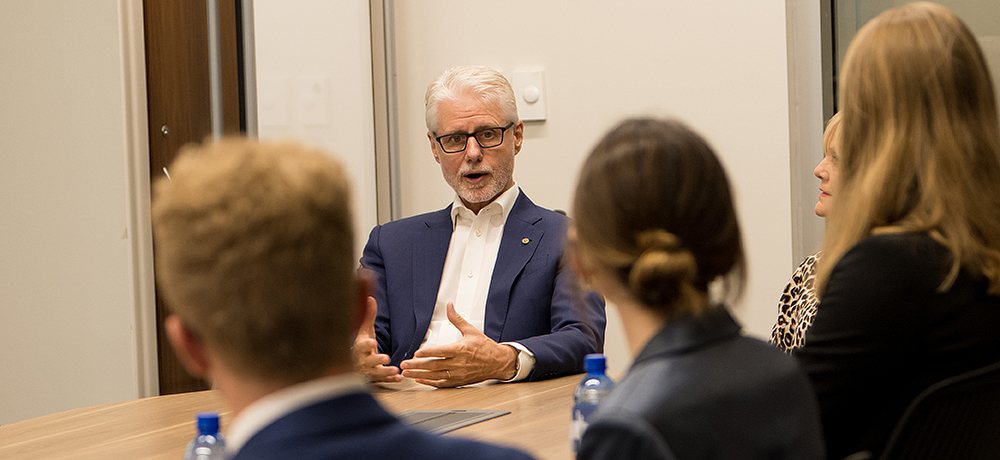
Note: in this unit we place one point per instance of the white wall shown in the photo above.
(314, 84)
(67, 333)
(70, 295)
(717, 64)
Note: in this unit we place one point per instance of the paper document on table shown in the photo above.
(443, 421)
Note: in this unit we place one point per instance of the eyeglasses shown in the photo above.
(486, 138)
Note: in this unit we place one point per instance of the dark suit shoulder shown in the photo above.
(550, 214)
(905, 261)
(726, 371)
(527, 210)
(698, 399)
(355, 426)
(554, 219)
(427, 218)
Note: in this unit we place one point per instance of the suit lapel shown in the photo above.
(430, 248)
(517, 245)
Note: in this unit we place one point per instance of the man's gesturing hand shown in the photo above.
(472, 359)
(367, 360)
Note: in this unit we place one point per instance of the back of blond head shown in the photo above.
(920, 149)
(255, 253)
(653, 208)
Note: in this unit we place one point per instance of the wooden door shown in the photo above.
(178, 93)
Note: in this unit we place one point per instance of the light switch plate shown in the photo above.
(529, 90)
(313, 100)
(272, 102)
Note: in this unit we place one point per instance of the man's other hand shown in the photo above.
(472, 359)
(367, 360)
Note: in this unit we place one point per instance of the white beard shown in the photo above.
(487, 191)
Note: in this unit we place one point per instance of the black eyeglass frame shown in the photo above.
(474, 135)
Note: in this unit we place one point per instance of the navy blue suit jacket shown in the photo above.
(701, 390)
(356, 427)
(534, 298)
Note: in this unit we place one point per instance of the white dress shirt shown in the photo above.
(274, 406)
(468, 271)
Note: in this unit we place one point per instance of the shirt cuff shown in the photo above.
(525, 362)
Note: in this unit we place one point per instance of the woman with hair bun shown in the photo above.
(909, 281)
(654, 226)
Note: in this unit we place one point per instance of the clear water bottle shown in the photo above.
(594, 388)
(209, 444)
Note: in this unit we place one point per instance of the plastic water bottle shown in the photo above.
(209, 444)
(594, 388)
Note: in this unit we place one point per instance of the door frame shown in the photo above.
(140, 230)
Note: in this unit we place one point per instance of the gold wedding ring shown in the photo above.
(449, 374)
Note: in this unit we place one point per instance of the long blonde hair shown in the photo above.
(920, 150)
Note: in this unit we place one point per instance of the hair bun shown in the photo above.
(658, 239)
(664, 271)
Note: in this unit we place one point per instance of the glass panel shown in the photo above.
(980, 15)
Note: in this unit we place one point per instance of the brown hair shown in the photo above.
(255, 253)
(921, 150)
(653, 206)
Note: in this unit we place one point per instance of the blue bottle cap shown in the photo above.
(595, 363)
(208, 422)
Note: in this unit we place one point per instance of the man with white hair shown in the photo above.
(477, 291)
(255, 255)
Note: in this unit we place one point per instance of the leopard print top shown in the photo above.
(797, 307)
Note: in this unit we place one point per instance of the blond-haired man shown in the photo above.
(254, 253)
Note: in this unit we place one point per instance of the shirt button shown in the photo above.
(479, 232)
(470, 273)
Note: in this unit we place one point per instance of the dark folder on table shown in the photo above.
(443, 421)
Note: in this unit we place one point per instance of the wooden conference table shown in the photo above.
(160, 427)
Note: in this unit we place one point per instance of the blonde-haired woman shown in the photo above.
(797, 305)
(655, 224)
(911, 263)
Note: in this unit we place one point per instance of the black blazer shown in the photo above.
(883, 333)
(701, 390)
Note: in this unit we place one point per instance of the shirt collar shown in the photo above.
(505, 201)
(274, 406)
(690, 332)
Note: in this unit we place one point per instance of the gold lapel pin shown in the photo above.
(525, 240)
